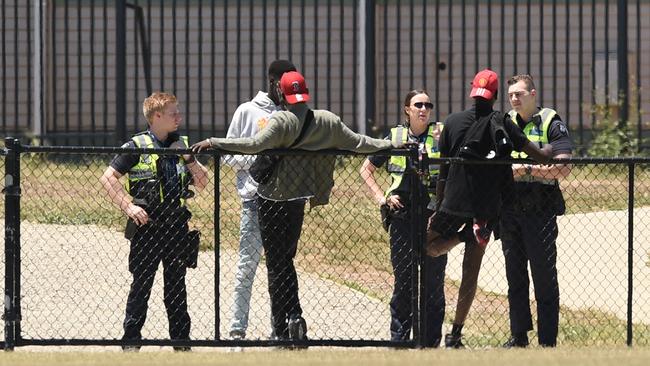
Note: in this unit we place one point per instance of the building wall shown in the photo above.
(199, 53)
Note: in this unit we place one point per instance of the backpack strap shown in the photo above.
(475, 132)
(308, 118)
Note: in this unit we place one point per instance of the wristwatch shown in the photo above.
(529, 169)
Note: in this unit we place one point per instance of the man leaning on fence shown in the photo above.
(529, 220)
(294, 180)
(247, 120)
(154, 201)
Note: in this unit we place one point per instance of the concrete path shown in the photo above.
(75, 282)
(592, 263)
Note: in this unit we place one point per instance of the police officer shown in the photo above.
(529, 221)
(155, 202)
(401, 208)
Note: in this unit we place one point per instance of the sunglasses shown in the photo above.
(419, 105)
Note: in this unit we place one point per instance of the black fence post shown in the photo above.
(415, 251)
(370, 67)
(420, 244)
(630, 250)
(120, 71)
(217, 244)
(12, 243)
(144, 44)
(621, 61)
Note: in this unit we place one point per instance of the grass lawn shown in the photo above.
(343, 357)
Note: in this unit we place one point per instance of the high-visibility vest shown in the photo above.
(397, 164)
(146, 168)
(537, 131)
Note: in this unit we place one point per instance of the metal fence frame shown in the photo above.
(381, 69)
(13, 311)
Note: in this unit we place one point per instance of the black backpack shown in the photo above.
(487, 139)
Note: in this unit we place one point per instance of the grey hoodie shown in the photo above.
(247, 120)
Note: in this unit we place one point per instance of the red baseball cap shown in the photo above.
(294, 87)
(485, 84)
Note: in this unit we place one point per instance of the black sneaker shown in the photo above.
(297, 330)
(516, 342)
(237, 335)
(128, 348)
(454, 341)
(131, 349)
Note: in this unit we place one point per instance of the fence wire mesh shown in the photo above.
(75, 261)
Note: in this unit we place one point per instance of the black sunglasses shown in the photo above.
(427, 105)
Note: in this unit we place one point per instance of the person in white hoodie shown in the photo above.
(248, 119)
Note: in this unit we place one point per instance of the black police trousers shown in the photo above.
(529, 236)
(151, 245)
(401, 303)
(280, 226)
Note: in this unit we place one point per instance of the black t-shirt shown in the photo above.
(473, 190)
(405, 186)
(166, 168)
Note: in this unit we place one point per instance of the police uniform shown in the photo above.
(529, 231)
(159, 181)
(402, 173)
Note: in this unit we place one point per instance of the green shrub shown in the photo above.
(613, 140)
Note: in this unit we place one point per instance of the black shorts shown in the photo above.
(448, 225)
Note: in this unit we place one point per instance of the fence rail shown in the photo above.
(66, 274)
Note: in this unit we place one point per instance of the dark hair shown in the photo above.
(279, 67)
(525, 78)
(410, 95)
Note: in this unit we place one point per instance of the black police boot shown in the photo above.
(517, 341)
(297, 330)
(454, 341)
(130, 336)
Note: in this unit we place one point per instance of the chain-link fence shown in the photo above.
(69, 271)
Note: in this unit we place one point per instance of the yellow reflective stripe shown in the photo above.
(400, 167)
(140, 174)
(532, 179)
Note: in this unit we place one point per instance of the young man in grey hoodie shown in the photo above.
(248, 119)
(295, 180)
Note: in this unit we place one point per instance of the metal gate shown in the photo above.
(76, 71)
